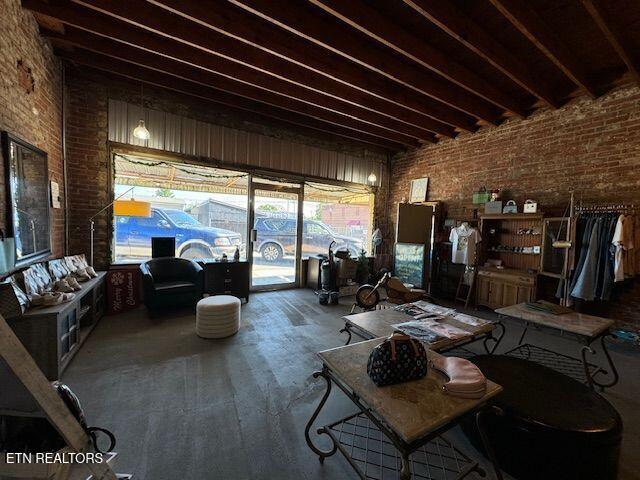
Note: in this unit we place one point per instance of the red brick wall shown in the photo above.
(589, 146)
(88, 166)
(34, 117)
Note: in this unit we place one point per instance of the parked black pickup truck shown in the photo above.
(276, 237)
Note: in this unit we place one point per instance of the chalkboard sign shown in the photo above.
(409, 263)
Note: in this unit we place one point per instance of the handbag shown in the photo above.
(481, 196)
(398, 359)
(465, 380)
(530, 206)
(510, 207)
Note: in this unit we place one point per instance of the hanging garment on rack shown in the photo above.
(586, 279)
(624, 263)
(605, 277)
(583, 237)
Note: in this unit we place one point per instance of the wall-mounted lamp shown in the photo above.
(372, 178)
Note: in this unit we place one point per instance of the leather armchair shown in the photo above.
(170, 281)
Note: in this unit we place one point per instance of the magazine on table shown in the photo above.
(433, 308)
(417, 330)
(470, 320)
(410, 309)
(422, 309)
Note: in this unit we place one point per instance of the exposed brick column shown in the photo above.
(88, 166)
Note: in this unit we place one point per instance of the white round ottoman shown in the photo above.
(217, 316)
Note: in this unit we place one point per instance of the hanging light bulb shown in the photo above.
(372, 178)
(141, 131)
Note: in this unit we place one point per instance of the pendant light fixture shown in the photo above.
(141, 131)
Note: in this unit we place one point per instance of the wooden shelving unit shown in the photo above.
(506, 226)
(516, 281)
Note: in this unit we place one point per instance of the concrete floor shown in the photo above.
(187, 408)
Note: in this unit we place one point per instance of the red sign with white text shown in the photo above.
(123, 290)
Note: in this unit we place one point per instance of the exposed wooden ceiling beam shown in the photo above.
(102, 46)
(228, 77)
(448, 18)
(616, 37)
(194, 33)
(326, 31)
(361, 16)
(373, 108)
(532, 26)
(131, 71)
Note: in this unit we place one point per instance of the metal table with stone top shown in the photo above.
(585, 329)
(379, 323)
(397, 429)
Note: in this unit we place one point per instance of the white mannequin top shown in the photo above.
(464, 239)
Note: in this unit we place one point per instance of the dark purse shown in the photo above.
(398, 359)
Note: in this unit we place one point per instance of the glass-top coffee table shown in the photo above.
(396, 429)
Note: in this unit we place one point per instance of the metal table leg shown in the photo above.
(524, 332)
(614, 371)
(494, 339)
(480, 423)
(322, 454)
(405, 472)
(346, 330)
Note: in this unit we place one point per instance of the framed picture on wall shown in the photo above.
(27, 190)
(419, 188)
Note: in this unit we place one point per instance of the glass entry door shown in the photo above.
(275, 237)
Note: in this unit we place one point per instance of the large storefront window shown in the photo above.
(336, 214)
(203, 208)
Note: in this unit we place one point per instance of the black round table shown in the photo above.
(551, 426)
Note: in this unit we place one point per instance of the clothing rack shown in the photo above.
(606, 208)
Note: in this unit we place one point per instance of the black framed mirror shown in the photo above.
(27, 188)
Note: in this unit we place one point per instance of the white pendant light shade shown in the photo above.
(372, 178)
(141, 131)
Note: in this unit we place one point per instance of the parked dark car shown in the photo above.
(193, 240)
(276, 237)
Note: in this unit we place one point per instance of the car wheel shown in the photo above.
(195, 252)
(271, 252)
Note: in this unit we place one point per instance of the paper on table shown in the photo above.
(448, 331)
(422, 326)
(469, 320)
(410, 309)
(433, 308)
(417, 330)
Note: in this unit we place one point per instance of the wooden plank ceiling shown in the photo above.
(393, 73)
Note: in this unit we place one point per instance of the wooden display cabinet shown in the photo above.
(53, 335)
(516, 281)
(497, 288)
